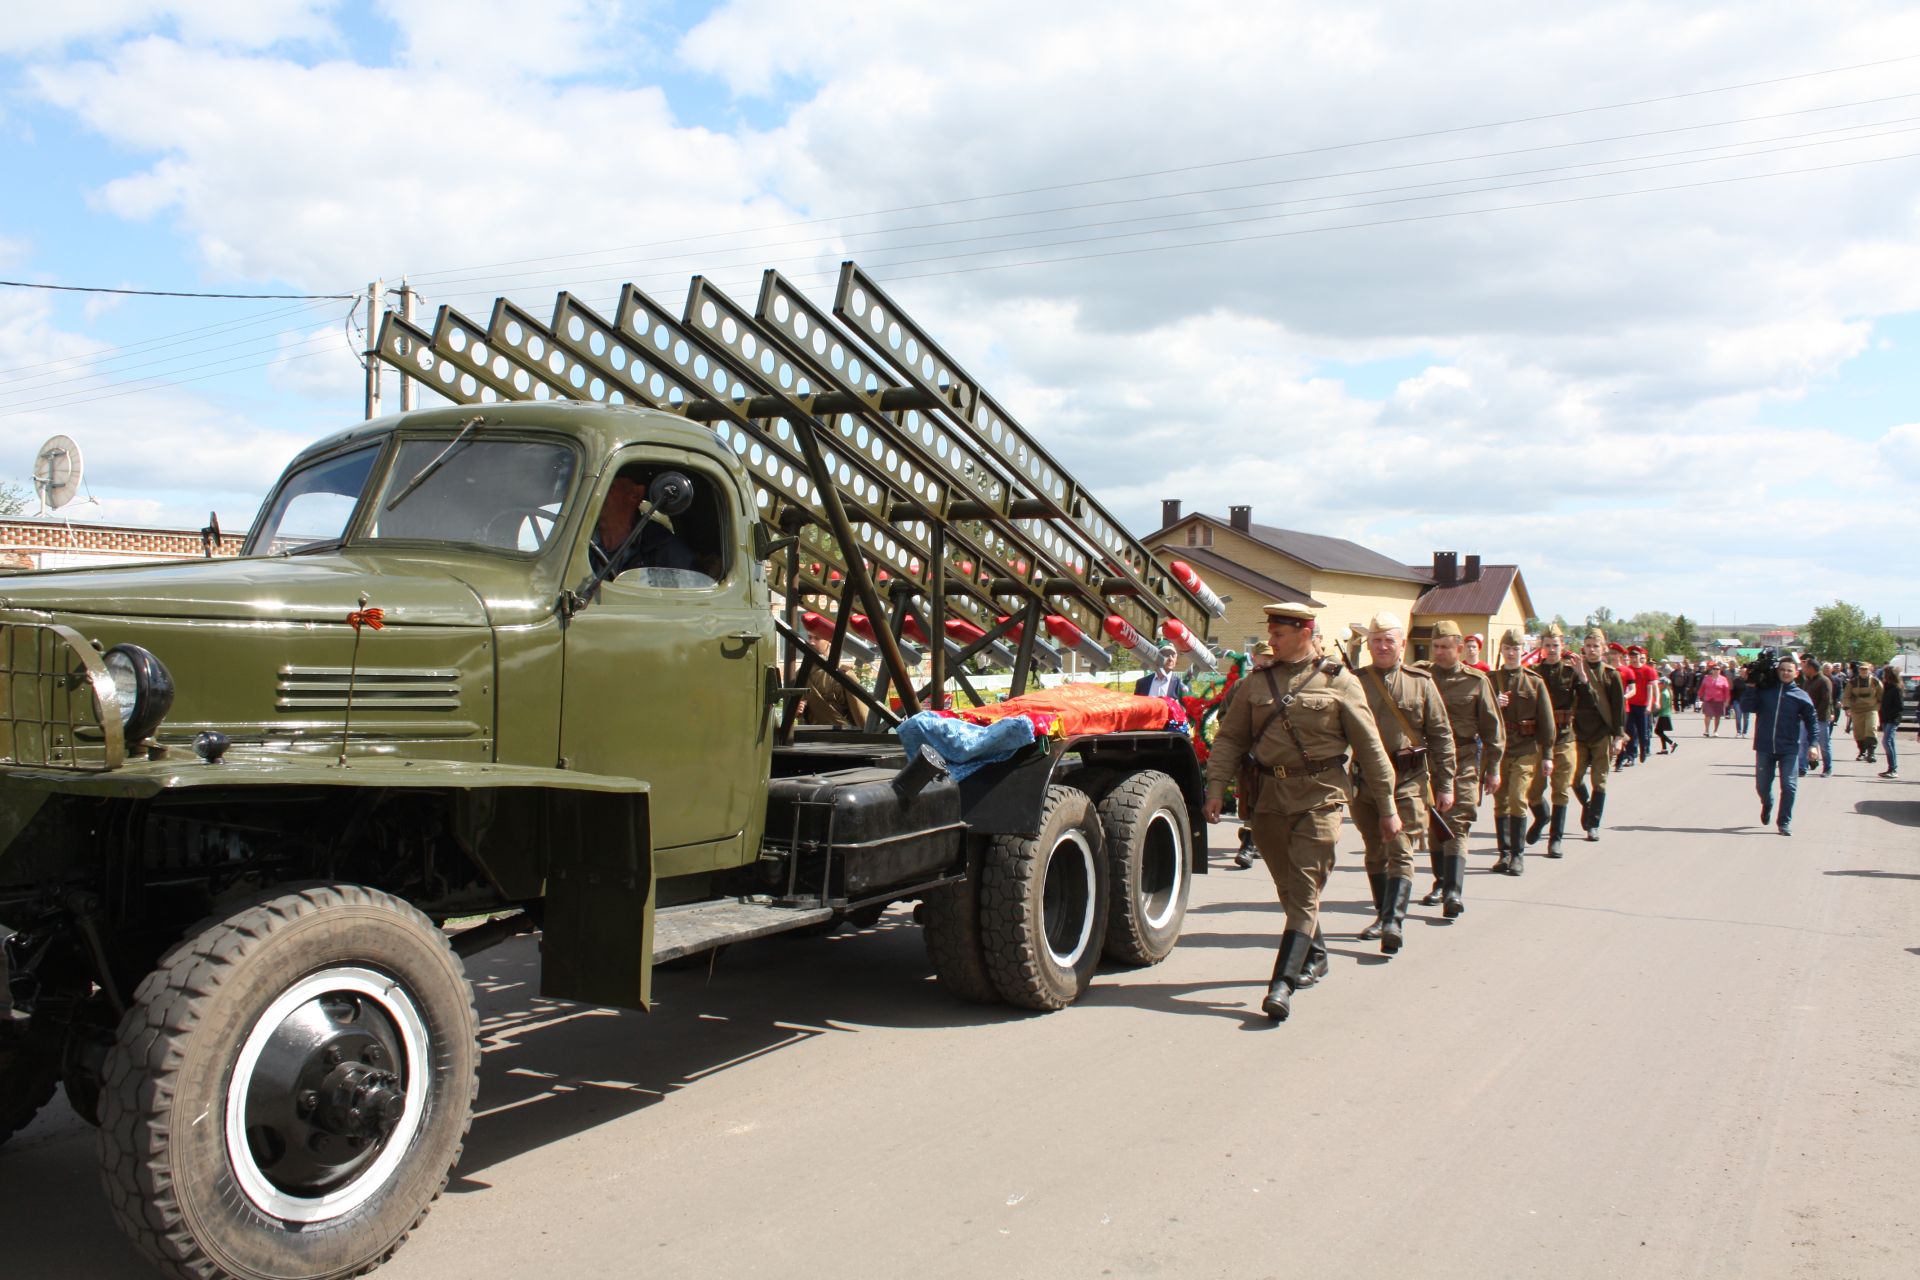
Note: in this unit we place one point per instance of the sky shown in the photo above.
(1627, 294)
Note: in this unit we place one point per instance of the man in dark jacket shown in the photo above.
(1162, 683)
(1783, 727)
(1892, 705)
(1820, 689)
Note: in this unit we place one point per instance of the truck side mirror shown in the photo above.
(767, 543)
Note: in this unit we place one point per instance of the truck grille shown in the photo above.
(374, 689)
(52, 688)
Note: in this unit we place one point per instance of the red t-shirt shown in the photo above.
(1646, 685)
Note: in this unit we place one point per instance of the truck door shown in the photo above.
(666, 667)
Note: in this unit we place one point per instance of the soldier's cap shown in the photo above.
(1167, 648)
(1554, 629)
(1289, 612)
(1512, 637)
(1384, 621)
(1446, 627)
(1260, 649)
(1595, 633)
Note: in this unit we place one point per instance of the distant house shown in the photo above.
(43, 543)
(1482, 599)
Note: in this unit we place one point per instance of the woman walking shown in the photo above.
(1892, 707)
(1663, 718)
(1737, 684)
(1715, 694)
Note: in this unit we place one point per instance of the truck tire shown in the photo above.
(1043, 905)
(950, 922)
(29, 1074)
(288, 1092)
(1150, 862)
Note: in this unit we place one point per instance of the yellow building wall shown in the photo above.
(1352, 598)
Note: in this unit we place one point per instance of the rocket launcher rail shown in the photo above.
(919, 504)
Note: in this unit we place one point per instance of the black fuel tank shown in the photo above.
(856, 834)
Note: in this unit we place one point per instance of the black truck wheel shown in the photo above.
(29, 1073)
(950, 922)
(288, 1092)
(1043, 905)
(1150, 860)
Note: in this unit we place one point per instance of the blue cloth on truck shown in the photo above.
(967, 748)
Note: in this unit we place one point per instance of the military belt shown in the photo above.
(1308, 769)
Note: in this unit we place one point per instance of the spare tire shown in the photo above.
(1043, 904)
(1150, 861)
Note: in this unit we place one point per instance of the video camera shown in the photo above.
(1764, 671)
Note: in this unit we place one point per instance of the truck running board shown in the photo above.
(685, 931)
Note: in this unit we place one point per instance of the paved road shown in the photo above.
(1692, 1049)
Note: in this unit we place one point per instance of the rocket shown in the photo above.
(1043, 653)
(1198, 585)
(1181, 638)
(965, 633)
(851, 645)
(1121, 632)
(859, 624)
(1063, 630)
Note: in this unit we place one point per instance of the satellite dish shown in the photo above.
(56, 472)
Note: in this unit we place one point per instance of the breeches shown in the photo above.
(1298, 851)
(1590, 763)
(1564, 752)
(1866, 728)
(1517, 775)
(1390, 857)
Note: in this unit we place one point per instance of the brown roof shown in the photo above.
(1210, 563)
(1484, 595)
(1317, 550)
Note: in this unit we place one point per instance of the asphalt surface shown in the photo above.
(1690, 1049)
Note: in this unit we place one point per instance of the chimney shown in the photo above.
(1446, 569)
(1473, 570)
(1169, 512)
(1241, 518)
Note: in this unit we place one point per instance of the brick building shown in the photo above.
(40, 543)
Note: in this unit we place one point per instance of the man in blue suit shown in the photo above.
(1162, 683)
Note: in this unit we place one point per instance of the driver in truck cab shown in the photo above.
(657, 547)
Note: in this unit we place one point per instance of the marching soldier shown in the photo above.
(1599, 726)
(1527, 711)
(1556, 671)
(1418, 735)
(1479, 738)
(1299, 719)
(1862, 697)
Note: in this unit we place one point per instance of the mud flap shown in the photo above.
(596, 942)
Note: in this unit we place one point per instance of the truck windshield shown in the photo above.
(316, 503)
(502, 494)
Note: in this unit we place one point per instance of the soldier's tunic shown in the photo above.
(1304, 780)
(1563, 689)
(1479, 741)
(1862, 699)
(1411, 716)
(1599, 713)
(828, 702)
(1528, 715)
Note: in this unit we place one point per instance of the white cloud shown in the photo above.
(251, 24)
(488, 38)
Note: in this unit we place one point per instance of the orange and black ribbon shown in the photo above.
(366, 617)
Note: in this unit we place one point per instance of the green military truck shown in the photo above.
(518, 659)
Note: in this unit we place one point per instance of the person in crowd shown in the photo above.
(1618, 659)
(827, 701)
(1737, 683)
(1783, 728)
(1479, 741)
(1663, 718)
(1556, 671)
(1599, 727)
(1411, 716)
(1820, 691)
(1526, 707)
(1646, 691)
(1892, 707)
(1300, 720)
(1476, 643)
(1863, 712)
(1715, 693)
(1259, 658)
(1163, 682)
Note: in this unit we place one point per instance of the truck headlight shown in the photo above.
(143, 689)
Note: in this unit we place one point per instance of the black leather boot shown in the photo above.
(1517, 864)
(1377, 881)
(1557, 833)
(1539, 823)
(1586, 802)
(1437, 839)
(1593, 814)
(1287, 967)
(1393, 914)
(1456, 880)
(1316, 967)
(1500, 839)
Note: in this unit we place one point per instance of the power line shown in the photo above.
(1214, 164)
(178, 293)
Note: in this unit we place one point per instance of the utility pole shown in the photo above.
(409, 393)
(376, 291)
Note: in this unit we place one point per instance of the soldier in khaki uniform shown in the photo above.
(827, 701)
(1479, 740)
(1299, 719)
(1418, 735)
(1861, 696)
(1528, 712)
(1556, 671)
(1599, 726)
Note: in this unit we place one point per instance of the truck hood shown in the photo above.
(265, 589)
